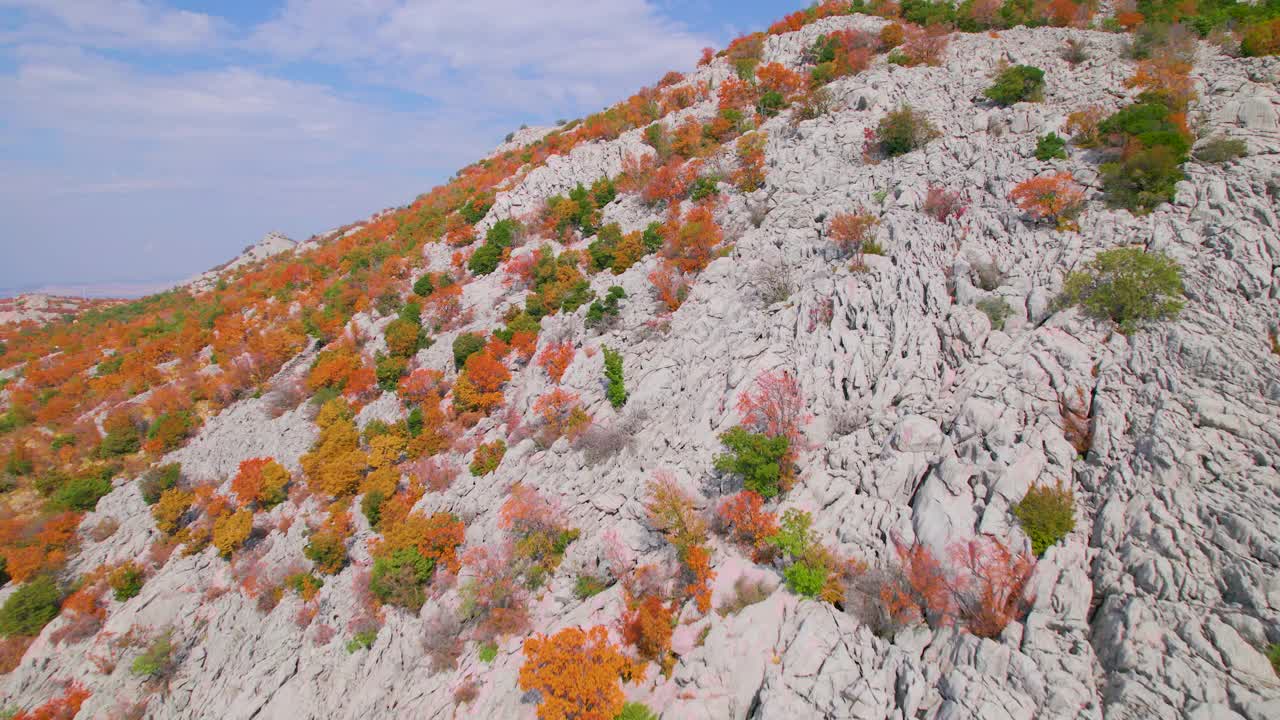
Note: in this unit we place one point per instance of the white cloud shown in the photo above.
(115, 23)
(503, 53)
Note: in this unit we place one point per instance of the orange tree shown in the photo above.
(576, 672)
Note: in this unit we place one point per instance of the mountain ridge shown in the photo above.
(921, 425)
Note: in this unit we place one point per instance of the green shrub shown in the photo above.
(1020, 83)
(616, 391)
(1220, 150)
(1047, 514)
(1128, 286)
(30, 607)
(157, 480)
(50, 482)
(587, 586)
(362, 640)
(793, 537)
(488, 457)
(398, 579)
(474, 210)
(306, 585)
(805, 579)
(1051, 147)
(996, 309)
(423, 286)
(704, 187)
(1151, 123)
(755, 457)
(904, 130)
(603, 313)
(157, 661)
(464, 346)
(771, 103)
(121, 439)
(488, 653)
(4, 571)
(1143, 180)
(636, 711)
(1273, 654)
(485, 259)
(328, 551)
(81, 494)
(126, 581)
(371, 506)
(389, 369)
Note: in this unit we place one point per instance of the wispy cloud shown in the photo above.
(116, 23)
(157, 127)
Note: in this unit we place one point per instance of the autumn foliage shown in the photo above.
(576, 674)
(748, 524)
(63, 707)
(555, 359)
(982, 588)
(1056, 198)
(260, 481)
(850, 230)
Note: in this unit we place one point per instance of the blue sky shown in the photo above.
(143, 141)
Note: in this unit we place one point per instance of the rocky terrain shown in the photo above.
(927, 425)
(271, 244)
(41, 308)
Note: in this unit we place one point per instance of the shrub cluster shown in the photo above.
(1047, 514)
(755, 457)
(616, 390)
(1151, 148)
(1020, 83)
(1128, 286)
(904, 130)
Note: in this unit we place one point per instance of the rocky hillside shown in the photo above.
(976, 485)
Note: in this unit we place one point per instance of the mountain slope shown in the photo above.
(925, 426)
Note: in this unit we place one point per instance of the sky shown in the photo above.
(144, 141)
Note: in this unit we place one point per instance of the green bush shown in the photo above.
(157, 480)
(399, 579)
(1220, 150)
(126, 581)
(362, 640)
(755, 457)
(306, 585)
(50, 482)
(423, 286)
(488, 457)
(328, 551)
(996, 309)
(805, 579)
(30, 607)
(474, 210)
(371, 506)
(1151, 123)
(81, 494)
(1020, 83)
(464, 346)
(704, 187)
(793, 537)
(1051, 147)
(1128, 286)
(636, 711)
(157, 660)
(122, 439)
(587, 586)
(485, 259)
(771, 103)
(602, 313)
(488, 653)
(904, 130)
(389, 369)
(1047, 514)
(616, 390)
(1143, 180)
(1273, 654)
